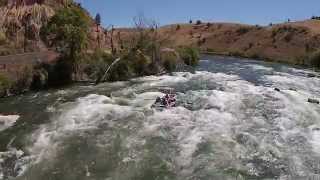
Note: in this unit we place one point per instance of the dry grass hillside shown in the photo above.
(14, 20)
(288, 42)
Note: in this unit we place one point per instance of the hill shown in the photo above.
(287, 42)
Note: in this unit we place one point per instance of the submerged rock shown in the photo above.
(316, 129)
(313, 101)
(311, 75)
(277, 89)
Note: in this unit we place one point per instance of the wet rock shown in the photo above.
(40, 79)
(316, 129)
(313, 101)
(293, 89)
(311, 75)
(277, 89)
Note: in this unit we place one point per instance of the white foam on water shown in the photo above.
(84, 114)
(242, 122)
(259, 67)
(298, 115)
(17, 157)
(8, 121)
(145, 99)
(286, 81)
(315, 140)
(228, 115)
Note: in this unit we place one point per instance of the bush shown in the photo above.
(169, 60)
(198, 22)
(96, 64)
(288, 37)
(2, 38)
(5, 84)
(242, 30)
(139, 62)
(236, 54)
(189, 55)
(131, 64)
(178, 27)
(61, 72)
(314, 59)
(24, 80)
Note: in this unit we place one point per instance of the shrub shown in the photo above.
(274, 33)
(258, 27)
(24, 80)
(2, 38)
(169, 60)
(210, 50)
(139, 62)
(236, 54)
(288, 37)
(5, 84)
(314, 59)
(198, 22)
(96, 64)
(315, 17)
(189, 55)
(242, 30)
(178, 27)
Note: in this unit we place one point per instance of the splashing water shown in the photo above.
(229, 124)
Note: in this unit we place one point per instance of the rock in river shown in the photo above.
(314, 101)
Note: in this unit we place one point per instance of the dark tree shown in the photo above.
(190, 22)
(98, 19)
(199, 22)
(178, 27)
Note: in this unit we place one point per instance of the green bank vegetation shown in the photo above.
(68, 31)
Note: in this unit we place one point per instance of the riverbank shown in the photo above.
(293, 43)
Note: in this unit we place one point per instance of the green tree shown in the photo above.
(68, 31)
(189, 55)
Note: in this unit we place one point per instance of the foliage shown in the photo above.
(169, 60)
(198, 22)
(242, 30)
(178, 27)
(236, 54)
(189, 55)
(61, 72)
(314, 59)
(96, 64)
(5, 84)
(315, 17)
(3, 38)
(68, 30)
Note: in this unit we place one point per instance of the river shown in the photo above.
(230, 123)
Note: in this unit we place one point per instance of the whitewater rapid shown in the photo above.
(227, 125)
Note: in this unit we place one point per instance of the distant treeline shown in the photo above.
(315, 17)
